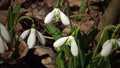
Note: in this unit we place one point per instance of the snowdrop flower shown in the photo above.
(107, 47)
(33, 33)
(70, 41)
(56, 13)
(4, 36)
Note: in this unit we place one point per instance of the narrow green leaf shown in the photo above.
(66, 50)
(10, 19)
(17, 8)
(60, 61)
(70, 64)
(81, 55)
(76, 62)
(82, 9)
(10, 25)
(54, 31)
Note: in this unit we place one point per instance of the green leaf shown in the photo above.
(10, 25)
(77, 62)
(60, 61)
(10, 19)
(17, 8)
(54, 31)
(66, 50)
(81, 54)
(82, 9)
(104, 63)
(104, 37)
(70, 64)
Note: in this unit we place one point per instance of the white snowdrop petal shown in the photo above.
(4, 33)
(50, 16)
(2, 49)
(106, 49)
(74, 48)
(107, 42)
(41, 38)
(31, 39)
(118, 42)
(24, 35)
(60, 42)
(65, 20)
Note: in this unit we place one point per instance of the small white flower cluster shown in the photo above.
(56, 13)
(107, 46)
(4, 36)
(32, 37)
(70, 41)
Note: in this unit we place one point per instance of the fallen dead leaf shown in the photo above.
(22, 49)
(49, 62)
(87, 26)
(7, 54)
(3, 16)
(75, 2)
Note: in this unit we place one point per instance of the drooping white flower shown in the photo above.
(74, 47)
(32, 34)
(72, 43)
(4, 36)
(56, 13)
(106, 48)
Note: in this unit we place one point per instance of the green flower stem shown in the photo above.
(116, 29)
(25, 17)
(76, 62)
(70, 64)
(81, 55)
(66, 50)
(100, 60)
(33, 25)
(60, 61)
(94, 53)
(57, 5)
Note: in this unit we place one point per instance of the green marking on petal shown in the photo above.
(57, 16)
(69, 41)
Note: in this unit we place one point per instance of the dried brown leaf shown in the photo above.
(49, 62)
(22, 49)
